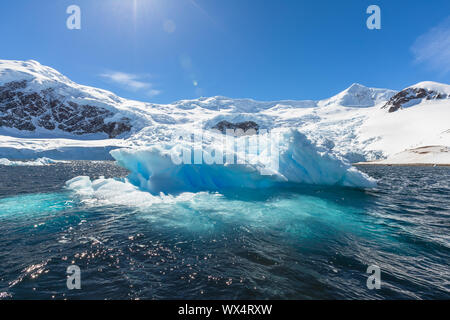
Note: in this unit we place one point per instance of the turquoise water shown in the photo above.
(298, 243)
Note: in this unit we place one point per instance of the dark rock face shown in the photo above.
(405, 96)
(45, 109)
(222, 126)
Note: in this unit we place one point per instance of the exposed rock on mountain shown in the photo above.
(222, 126)
(37, 98)
(46, 109)
(415, 94)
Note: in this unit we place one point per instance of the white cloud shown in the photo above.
(131, 82)
(433, 47)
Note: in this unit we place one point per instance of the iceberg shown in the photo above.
(299, 161)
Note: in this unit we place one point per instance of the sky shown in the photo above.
(166, 50)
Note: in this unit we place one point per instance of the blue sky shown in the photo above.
(166, 50)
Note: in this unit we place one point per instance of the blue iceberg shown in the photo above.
(299, 161)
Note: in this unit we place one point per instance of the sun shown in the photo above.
(134, 9)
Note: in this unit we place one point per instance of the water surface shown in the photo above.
(298, 243)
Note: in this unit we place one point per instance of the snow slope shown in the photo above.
(428, 155)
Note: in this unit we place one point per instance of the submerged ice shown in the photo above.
(118, 192)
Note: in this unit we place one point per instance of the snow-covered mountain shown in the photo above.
(43, 113)
(416, 94)
(36, 98)
(358, 95)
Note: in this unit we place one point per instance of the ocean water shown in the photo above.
(297, 243)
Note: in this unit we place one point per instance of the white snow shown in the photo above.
(422, 125)
(434, 86)
(351, 124)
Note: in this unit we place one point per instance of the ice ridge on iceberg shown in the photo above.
(299, 161)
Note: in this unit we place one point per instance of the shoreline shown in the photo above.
(402, 164)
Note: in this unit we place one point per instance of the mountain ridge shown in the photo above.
(414, 94)
(41, 102)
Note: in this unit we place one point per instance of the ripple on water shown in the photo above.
(286, 244)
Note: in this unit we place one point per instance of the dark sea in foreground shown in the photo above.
(299, 243)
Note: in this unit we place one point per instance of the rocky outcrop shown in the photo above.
(412, 96)
(222, 126)
(27, 110)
